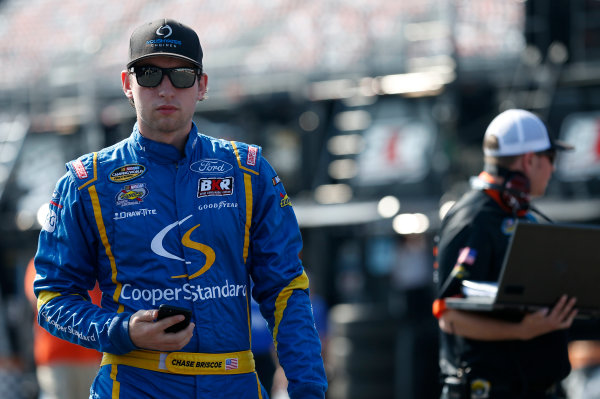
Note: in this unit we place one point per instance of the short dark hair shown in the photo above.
(491, 142)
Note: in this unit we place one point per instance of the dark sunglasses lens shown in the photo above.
(182, 78)
(551, 155)
(148, 76)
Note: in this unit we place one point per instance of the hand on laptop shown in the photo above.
(543, 321)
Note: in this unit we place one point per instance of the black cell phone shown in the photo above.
(169, 310)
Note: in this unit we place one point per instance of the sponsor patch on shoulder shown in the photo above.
(79, 169)
(215, 186)
(126, 173)
(50, 221)
(508, 226)
(285, 200)
(252, 153)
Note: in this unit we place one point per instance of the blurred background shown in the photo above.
(371, 111)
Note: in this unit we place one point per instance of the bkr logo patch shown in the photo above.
(215, 186)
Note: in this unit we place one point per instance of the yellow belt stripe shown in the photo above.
(299, 283)
(184, 362)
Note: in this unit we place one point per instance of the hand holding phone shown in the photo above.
(165, 311)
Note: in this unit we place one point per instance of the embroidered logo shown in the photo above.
(132, 194)
(211, 166)
(126, 173)
(79, 169)
(252, 153)
(215, 186)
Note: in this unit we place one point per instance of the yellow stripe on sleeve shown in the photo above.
(249, 200)
(299, 283)
(44, 297)
(107, 248)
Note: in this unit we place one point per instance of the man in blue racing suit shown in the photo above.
(171, 216)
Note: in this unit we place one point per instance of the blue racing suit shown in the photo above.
(153, 226)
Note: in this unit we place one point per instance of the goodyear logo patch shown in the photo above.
(132, 194)
(215, 186)
(126, 173)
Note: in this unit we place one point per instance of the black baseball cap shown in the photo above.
(164, 37)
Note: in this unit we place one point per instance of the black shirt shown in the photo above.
(475, 235)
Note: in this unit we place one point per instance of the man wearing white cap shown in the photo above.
(498, 356)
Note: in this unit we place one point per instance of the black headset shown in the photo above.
(514, 191)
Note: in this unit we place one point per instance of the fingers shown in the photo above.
(147, 333)
(563, 309)
(176, 341)
(169, 321)
(545, 320)
(569, 320)
(146, 315)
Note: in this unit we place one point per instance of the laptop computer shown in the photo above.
(542, 262)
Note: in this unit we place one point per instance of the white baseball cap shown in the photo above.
(519, 132)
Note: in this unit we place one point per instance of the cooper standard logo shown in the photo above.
(126, 173)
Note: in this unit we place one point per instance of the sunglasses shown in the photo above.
(151, 76)
(550, 154)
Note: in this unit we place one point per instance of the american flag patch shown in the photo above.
(467, 256)
(79, 169)
(231, 364)
(252, 151)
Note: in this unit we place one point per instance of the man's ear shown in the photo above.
(202, 86)
(126, 82)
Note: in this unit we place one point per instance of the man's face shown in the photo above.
(164, 113)
(540, 172)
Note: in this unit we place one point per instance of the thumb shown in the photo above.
(148, 315)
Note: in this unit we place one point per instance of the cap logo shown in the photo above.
(159, 31)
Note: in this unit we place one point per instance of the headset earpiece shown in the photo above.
(515, 191)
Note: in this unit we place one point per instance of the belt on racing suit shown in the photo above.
(185, 362)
